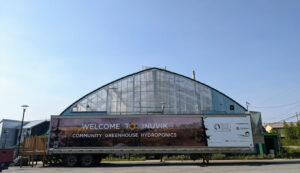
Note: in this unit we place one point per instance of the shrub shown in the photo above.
(218, 157)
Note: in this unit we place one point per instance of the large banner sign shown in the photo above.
(127, 132)
(228, 131)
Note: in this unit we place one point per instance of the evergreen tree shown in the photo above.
(286, 131)
(291, 133)
(298, 132)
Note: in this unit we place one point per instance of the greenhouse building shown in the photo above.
(154, 91)
(160, 112)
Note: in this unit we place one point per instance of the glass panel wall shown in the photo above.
(150, 92)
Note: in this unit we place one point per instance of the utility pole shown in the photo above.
(297, 116)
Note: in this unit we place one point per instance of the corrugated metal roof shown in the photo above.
(9, 120)
(278, 125)
(7, 123)
(33, 123)
(275, 125)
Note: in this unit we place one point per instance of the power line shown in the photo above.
(270, 107)
(285, 119)
(289, 112)
(294, 116)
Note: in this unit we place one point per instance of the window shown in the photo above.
(231, 107)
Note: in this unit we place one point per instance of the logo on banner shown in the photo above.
(132, 126)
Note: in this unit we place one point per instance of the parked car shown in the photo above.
(6, 157)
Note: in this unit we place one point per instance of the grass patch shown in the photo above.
(289, 153)
(125, 157)
(176, 157)
(240, 157)
(286, 153)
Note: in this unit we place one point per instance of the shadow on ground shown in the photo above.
(255, 163)
(197, 163)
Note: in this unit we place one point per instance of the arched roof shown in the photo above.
(154, 90)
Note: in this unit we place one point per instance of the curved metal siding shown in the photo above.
(221, 104)
(68, 112)
(144, 91)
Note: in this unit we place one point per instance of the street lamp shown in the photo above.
(24, 109)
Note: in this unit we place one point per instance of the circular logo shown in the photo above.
(217, 126)
(132, 126)
(247, 134)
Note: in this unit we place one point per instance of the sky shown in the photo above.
(53, 52)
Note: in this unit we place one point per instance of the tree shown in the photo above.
(298, 132)
(286, 131)
(291, 133)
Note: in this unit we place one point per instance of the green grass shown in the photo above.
(126, 157)
(286, 153)
(176, 157)
(289, 153)
(240, 157)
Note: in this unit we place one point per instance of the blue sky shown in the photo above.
(53, 52)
